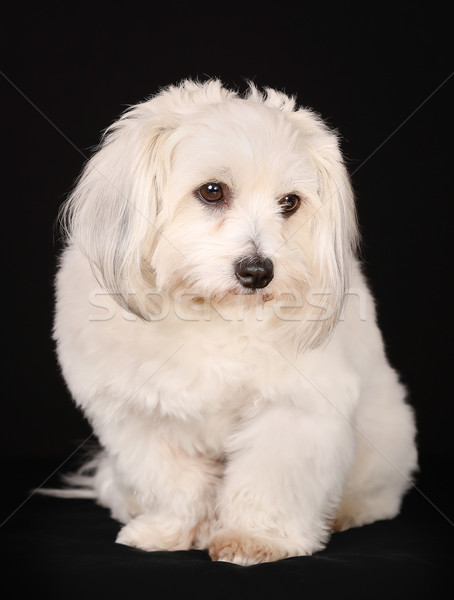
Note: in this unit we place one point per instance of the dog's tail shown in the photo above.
(96, 480)
(78, 484)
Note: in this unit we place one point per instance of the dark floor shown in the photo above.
(66, 549)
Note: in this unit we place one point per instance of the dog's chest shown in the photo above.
(211, 372)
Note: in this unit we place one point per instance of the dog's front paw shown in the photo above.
(246, 549)
(150, 532)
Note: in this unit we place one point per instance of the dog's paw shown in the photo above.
(151, 533)
(246, 549)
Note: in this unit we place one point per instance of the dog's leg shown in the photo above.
(175, 492)
(282, 484)
(385, 456)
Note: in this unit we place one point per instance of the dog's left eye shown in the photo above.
(289, 204)
(211, 192)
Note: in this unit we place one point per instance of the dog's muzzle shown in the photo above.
(254, 272)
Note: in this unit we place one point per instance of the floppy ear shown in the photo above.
(113, 211)
(333, 228)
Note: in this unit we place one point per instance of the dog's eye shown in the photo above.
(211, 192)
(289, 204)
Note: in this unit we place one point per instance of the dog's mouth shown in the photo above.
(248, 296)
(259, 294)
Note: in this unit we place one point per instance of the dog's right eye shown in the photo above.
(211, 192)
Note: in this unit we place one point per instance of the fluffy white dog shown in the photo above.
(214, 326)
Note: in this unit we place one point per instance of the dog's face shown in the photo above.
(240, 187)
(220, 196)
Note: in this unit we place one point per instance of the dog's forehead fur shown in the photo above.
(245, 144)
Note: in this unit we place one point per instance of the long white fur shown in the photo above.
(245, 423)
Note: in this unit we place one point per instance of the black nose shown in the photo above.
(254, 272)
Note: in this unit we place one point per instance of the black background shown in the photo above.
(378, 74)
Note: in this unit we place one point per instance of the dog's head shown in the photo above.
(200, 189)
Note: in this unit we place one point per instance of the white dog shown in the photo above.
(214, 326)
